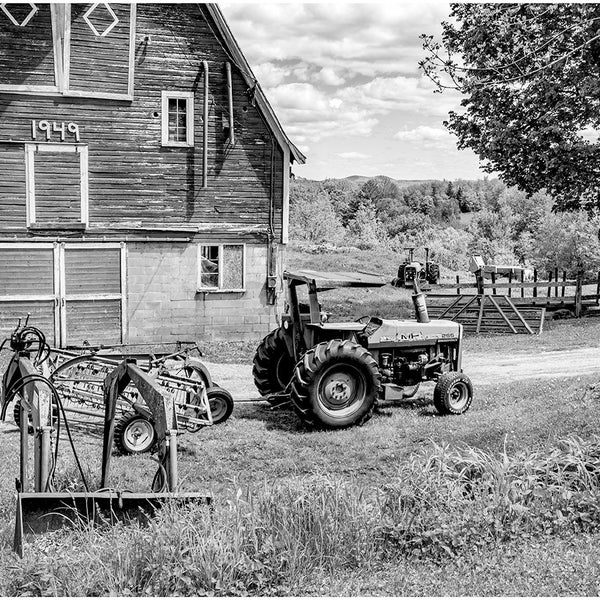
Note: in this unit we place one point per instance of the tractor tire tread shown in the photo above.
(264, 364)
(308, 367)
(442, 389)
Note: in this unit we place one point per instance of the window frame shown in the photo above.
(220, 289)
(30, 151)
(167, 95)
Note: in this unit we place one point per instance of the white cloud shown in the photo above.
(329, 77)
(352, 155)
(269, 75)
(426, 134)
(368, 39)
(310, 114)
(343, 77)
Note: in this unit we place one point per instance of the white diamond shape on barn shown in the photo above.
(88, 14)
(26, 20)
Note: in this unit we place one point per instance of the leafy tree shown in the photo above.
(468, 201)
(378, 187)
(366, 230)
(530, 76)
(313, 219)
(343, 197)
(568, 241)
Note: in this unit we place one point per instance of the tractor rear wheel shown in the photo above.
(273, 365)
(453, 393)
(335, 385)
(134, 434)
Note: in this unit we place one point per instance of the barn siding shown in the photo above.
(26, 55)
(100, 61)
(133, 181)
(12, 187)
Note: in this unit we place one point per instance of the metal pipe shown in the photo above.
(230, 99)
(43, 470)
(24, 425)
(205, 130)
(172, 451)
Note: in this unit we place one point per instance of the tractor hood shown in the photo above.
(405, 330)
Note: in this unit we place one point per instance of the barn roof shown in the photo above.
(232, 48)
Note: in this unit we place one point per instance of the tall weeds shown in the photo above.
(275, 538)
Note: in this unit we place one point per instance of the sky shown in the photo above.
(344, 81)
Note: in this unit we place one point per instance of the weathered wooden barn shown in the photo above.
(144, 177)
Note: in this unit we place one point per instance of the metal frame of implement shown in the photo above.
(43, 509)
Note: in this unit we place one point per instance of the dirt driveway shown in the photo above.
(484, 369)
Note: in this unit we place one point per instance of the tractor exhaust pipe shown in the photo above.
(420, 304)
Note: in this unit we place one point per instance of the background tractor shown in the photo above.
(413, 271)
(333, 373)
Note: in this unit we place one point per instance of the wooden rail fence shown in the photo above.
(552, 293)
(512, 305)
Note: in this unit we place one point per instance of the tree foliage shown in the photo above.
(506, 224)
(530, 76)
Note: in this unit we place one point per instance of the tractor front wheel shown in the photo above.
(335, 385)
(453, 393)
(273, 365)
(134, 434)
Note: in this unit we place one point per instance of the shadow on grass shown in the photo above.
(280, 418)
(283, 418)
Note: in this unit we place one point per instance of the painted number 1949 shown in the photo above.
(54, 128)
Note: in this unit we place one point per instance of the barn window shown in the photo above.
(221, 268)
(178, 119)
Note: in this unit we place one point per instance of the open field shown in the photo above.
(331, 493)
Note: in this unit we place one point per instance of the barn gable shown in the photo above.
(144, 175)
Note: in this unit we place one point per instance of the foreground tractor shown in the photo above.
(333, 373)
(411, 271)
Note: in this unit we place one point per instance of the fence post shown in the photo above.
(579, 292)
(563, 287)
(458, 285)
(509, 285)
(549, 292)
(535, 278)
(494, 281)
(598, 290)
(556, 280)
(479, 276)
(522, 282)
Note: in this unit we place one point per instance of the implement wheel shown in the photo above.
(273, 365)
(17, 417)
(335, 385)
(134, 434)
(221, 404)
(453, 393)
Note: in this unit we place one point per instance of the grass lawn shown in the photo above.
(259, 448)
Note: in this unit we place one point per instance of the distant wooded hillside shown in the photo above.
(455, 219)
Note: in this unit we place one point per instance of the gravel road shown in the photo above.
(483, 369)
